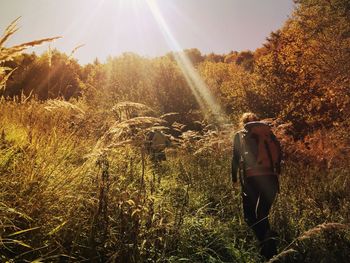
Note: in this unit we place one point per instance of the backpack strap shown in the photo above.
(272, 165)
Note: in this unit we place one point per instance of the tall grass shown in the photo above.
(59, 202)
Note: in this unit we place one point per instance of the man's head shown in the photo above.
(248, 117)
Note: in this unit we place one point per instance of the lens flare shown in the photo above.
(205, 99)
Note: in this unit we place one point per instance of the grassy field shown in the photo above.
(69, 193)
(77, 183)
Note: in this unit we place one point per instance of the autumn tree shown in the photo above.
(158, 83)
(212, 57)
(21, 65)
(303, 71)
(170, 87)
(51, 75)
(231, 84)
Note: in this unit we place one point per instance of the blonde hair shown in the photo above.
(248, 117)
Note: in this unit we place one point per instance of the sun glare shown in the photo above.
(138, 25)
(205, 99)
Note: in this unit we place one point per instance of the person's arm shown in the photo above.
(279, 161)
(235, 158)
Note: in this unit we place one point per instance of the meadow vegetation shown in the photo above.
(77, 184)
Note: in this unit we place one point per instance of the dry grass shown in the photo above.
(77, 186)
(9, 53)
(61, 105)
(320, 228)
(62, 198)
(281, 256)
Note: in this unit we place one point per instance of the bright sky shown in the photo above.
(111, 27)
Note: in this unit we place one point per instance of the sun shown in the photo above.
(138, 25)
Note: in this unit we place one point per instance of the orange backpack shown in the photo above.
(260, 150)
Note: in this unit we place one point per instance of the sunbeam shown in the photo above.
(205, 99)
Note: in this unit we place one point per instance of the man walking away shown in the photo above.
(257, 157)
(157, 142)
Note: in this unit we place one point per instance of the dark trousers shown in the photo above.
(258, 194)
